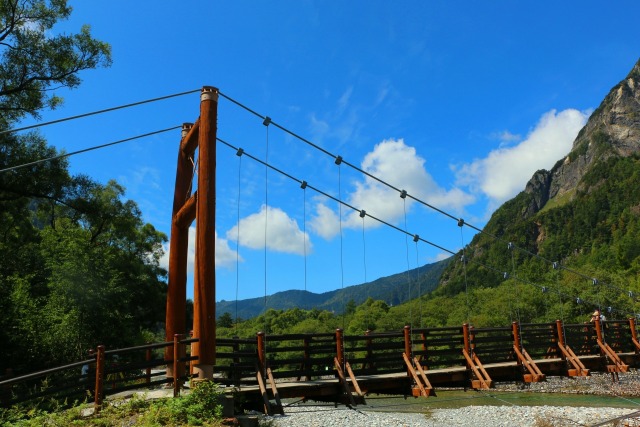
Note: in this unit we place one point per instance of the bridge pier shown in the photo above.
(201, 208)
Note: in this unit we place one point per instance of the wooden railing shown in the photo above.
(307, 357)
(106, 372)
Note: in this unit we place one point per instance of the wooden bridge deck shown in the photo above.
(400, 383)
(338, 368)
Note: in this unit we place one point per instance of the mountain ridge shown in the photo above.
(584, 211)
(393, 290)
(612, 129)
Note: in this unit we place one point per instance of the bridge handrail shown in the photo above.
(45, 372)
(151, 346)
(492, 329)
(437, 329)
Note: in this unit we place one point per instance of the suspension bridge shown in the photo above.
(334, 366)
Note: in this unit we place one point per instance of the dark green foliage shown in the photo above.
(596, 233)
(201, 407)
(79, 266)
(36, 60)
(225, 320)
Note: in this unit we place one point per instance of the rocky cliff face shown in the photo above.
(612, 130)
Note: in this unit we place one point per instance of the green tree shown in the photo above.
(88, 288)
(225, 320)
(36, 60)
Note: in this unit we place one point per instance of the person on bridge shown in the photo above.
(597, 316)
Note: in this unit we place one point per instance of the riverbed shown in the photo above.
(587, 401)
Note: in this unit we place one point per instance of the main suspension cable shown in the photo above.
(383, 182)
(106, 110)
(97, 147)
(416, 237)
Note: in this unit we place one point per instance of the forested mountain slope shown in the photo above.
(583, 214)
(538, 256)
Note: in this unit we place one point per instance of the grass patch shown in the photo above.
(558, 201)
(201, 407)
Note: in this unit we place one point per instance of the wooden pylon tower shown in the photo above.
(187, 207)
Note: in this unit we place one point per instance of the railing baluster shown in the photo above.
(97, 404)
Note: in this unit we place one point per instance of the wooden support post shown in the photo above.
(262, 355)
(179, 251)
(274, 390)
(523, 358)
(598, 325)
(191, 353)
(343, 381)
(97, 403)
(369, 363)
(148, 370)
(177, 375)
(306, 364)
(424, 346)
(516, 335)
(473, 362)
(472, 341)
(204, 316)
(517, 344)
(466, 338)
(425, 380)
(235, 374)
(340, 347)
(560, 333)
(407, 341)
(263, 391)
(634, 334)
(568, 355)
(354, 382)
(418, 387)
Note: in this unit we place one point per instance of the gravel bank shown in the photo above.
(470, 416)
(480, 416)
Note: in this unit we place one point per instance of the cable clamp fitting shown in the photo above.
(266, 121)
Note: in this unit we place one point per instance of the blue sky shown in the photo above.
(458, 103)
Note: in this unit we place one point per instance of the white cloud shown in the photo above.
(318, 128)
(324, 222)
(283, 233)
(506, 170)
(343, 102)
(225, 256)
(439, 257)
(399, 165)
(506, 138)
(341, 123)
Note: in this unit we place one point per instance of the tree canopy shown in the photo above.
(79, 266)
(35, 60)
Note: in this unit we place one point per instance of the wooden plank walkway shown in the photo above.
(330, 389)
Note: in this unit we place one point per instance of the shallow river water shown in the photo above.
(452, 399)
